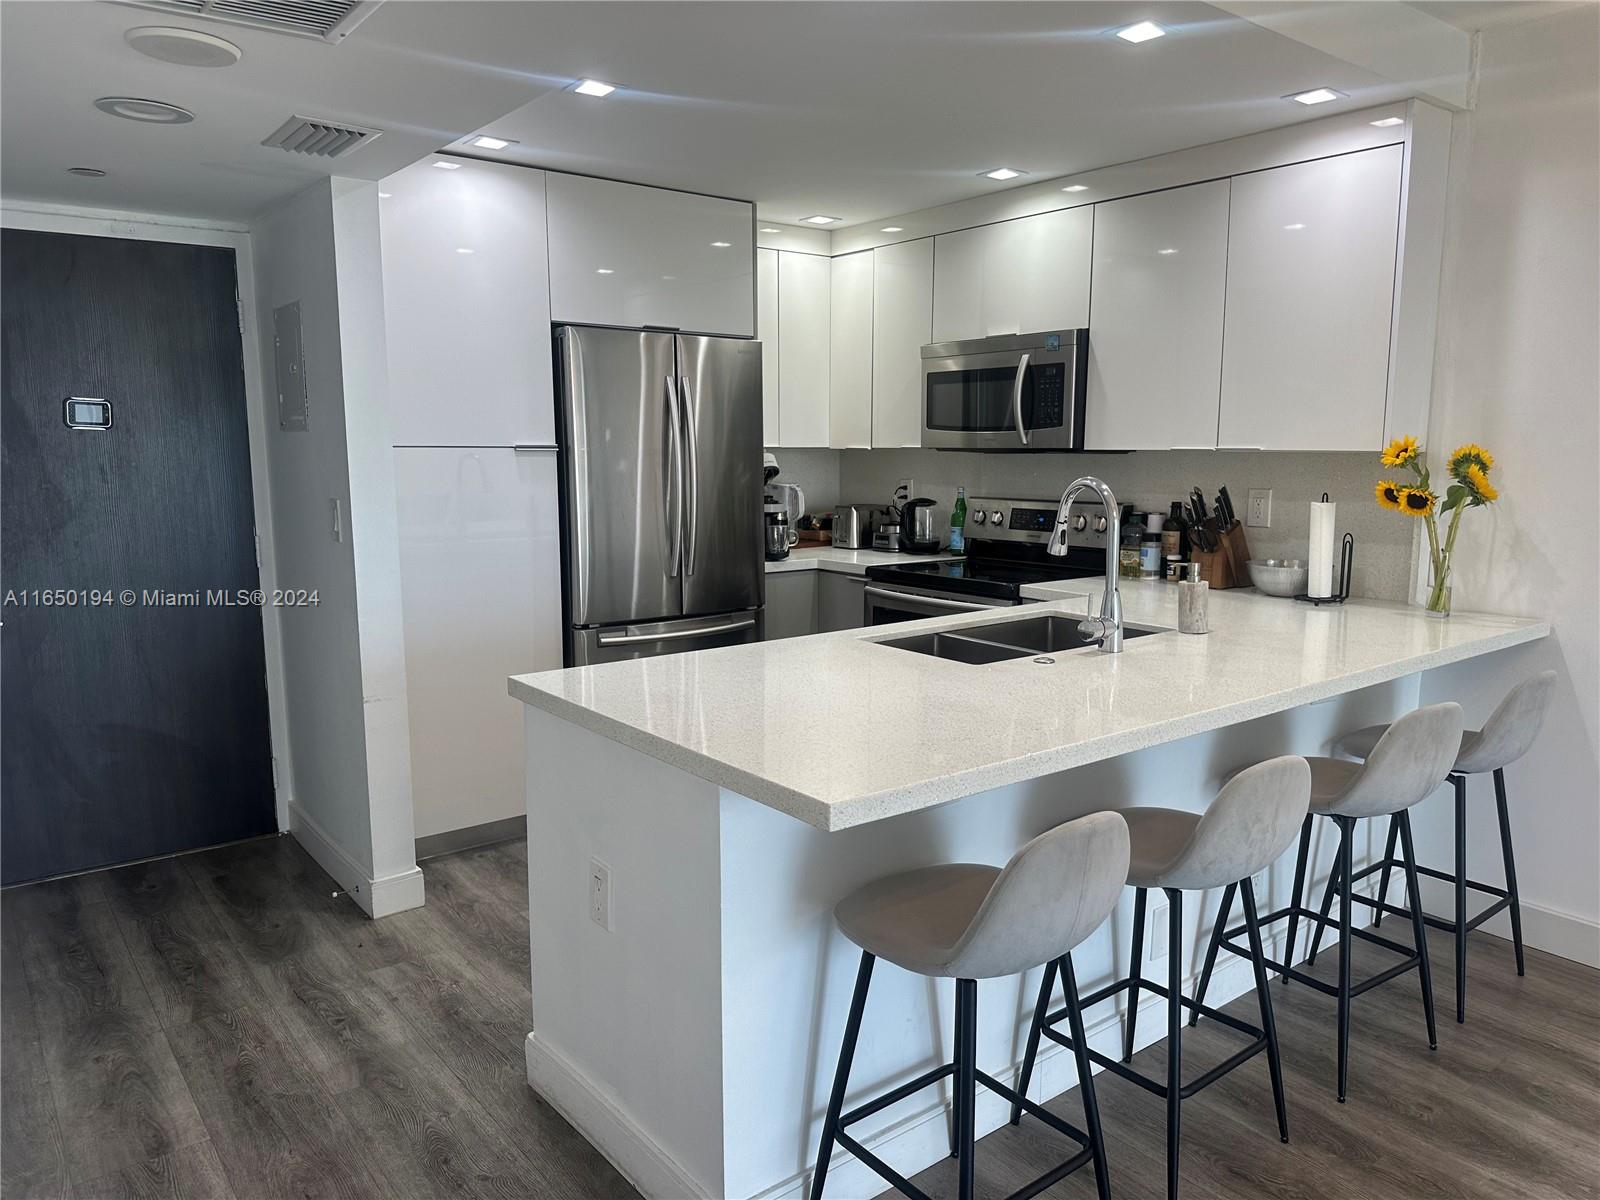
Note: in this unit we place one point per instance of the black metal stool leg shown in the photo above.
(1174, 1028)
(1383, 879)
(1217, 931)
(1040, 1011)
(1459, 783)
(966, 1081)
(1258, 960)
(1347, 827)
(1511, 864)
(1295, 899)
(841, 1076)
(1135, 969)
(955, 1091)
(1334, 876)
(1419, 931)
(1080, 1049)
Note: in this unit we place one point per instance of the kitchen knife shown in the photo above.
(1227, 504)
(1199, 504)
(1222, 516)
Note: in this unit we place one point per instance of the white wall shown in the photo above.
(1516, 372)
(344, 659)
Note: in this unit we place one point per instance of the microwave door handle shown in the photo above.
(692, 485)
(1016, 399)
(672, 481)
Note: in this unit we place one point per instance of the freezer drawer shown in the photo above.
(615, 643)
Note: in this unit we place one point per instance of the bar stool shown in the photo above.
(1250, 824)
(970, 922)
(1410, 760)
(1508, 734)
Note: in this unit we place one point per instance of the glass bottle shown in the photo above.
(958, 523)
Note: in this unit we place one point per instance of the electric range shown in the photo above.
(1006, 550)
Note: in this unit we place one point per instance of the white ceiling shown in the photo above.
(857, 110)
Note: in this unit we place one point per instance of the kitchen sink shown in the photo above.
(999, 641)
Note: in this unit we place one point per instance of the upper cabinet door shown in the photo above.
(467, 305)
(902, 324)
(804, 298)
(1155, 327)
(1311, 263)
(850, 354)
(767, 331)
(621, 254)
(1022, 276)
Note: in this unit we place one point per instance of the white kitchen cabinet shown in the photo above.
(791, 609)
(902, 323)
(480, 579)
(1155, 324)
(467, 305)
(804, 297)
(1021, 276)
(850, 352)
(622, 254)
(1311, 268)
(767, 331)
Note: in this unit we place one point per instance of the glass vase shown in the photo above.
(1438, 601)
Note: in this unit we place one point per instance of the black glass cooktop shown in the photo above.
(992, 579)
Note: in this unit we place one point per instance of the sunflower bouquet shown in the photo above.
(1469, 487)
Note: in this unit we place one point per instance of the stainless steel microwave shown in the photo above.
(1018, 392)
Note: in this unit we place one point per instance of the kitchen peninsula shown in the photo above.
(693, 818)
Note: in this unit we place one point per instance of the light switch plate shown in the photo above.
(1258, 512)
(1156, 923)
(600, 894)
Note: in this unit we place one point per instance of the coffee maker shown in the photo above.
(781, 506)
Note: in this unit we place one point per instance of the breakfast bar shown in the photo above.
(692, 820)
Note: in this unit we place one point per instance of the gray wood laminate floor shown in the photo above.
(219, 1025)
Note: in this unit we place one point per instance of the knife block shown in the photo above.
(1225, 568)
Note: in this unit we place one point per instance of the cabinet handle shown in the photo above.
(1191, 447)
(528, 447)
(1239, 447)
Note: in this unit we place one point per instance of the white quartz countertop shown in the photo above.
(837, 730)
(846, 562)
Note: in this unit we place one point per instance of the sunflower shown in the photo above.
(1401, 452)
(1388, 494)
(1416, 502)
(1471, 453)
(1477, 482)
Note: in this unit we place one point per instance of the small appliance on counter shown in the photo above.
(917, 533)
(853, 525)
(886, 533)
(782, 506)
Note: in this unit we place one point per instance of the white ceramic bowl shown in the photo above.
(1278, 576)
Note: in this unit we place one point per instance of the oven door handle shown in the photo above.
(930, 601)
(1016, 399)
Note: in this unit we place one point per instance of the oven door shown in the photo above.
(888, 604)
(1005, 399)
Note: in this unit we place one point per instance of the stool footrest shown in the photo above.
(1411, 958)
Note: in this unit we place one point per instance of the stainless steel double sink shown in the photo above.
(998, 641)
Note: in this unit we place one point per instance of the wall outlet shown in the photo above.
(600, 894)
(1156, 925)
(1258, 512)
(905, 489)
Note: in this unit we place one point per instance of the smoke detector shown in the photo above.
(328, 20)
(324, 139)
(184, 47)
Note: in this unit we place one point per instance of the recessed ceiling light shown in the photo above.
(594, 87)
(1076, 187)
(463, 249)
(1167, 250)
(722, 245)
(1296, 225)
(448, 166)
(484, 142)
(1002, 173)
(1315, 96)
(1388, 122)
(770, 229)
(892, 229)
(604, 271)
(1144, 31)
(151, 112)
(182, 47)
(87, 172)
(819, 219)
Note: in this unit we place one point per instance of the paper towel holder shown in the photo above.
(1347, 563)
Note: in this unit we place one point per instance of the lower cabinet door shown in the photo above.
(791, 604)
(841, 601)
(480, 577)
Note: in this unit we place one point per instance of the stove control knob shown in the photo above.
(1099, 524)
(997, 517)
(978, 517)
(1080, 523)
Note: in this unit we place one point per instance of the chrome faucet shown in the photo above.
(1106, 629)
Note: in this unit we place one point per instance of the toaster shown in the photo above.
(852, 526)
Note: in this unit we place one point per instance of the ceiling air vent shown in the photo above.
(330, 20)
(325, 139)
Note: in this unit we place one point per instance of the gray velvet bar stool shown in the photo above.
(1508, 734)
(967, 922)
(1410, 760)
(1247, 827)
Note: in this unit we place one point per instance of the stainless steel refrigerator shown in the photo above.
(660, 463)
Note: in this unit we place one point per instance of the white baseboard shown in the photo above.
(1563, 934)
(377, 897)
(608, 1127)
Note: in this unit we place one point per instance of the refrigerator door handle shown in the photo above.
(673, 481)
(692, 486)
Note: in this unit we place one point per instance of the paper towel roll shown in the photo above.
(1320, 558)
